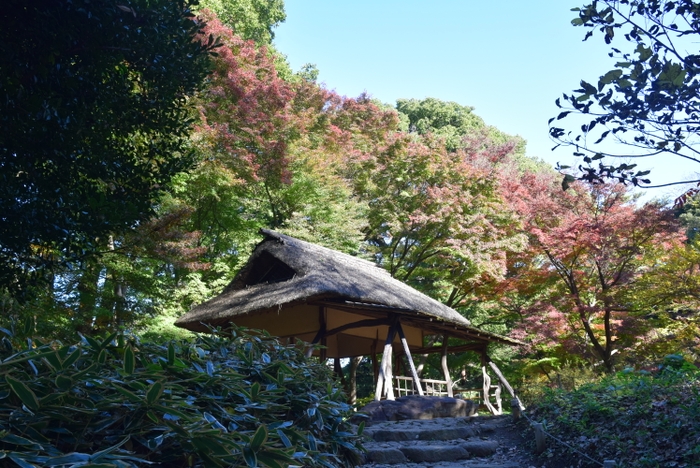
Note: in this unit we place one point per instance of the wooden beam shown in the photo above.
(359, 324)
(445, 369)
(414, 373)
(451, 349)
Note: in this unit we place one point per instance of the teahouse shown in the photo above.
(297, 290)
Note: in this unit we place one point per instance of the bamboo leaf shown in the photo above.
(72, 357)
(250, 458)
(108, 340)
(24, 393)
(259, 438)
(63, 383)
(129, 360)
(154, 393)
(274, 459)
(171, 354)
(131, 396)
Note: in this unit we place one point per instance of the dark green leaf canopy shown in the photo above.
(94, 115)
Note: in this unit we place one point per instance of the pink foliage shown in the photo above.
(586, 249)
(246, 114)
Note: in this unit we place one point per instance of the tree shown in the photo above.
(436, 219)
(649, 101)
(589, 247)
(249, 19)
(447, 120)
(95, 117)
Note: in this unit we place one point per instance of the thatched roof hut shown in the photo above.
(296, 289)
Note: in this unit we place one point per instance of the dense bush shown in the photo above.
(239, 400)
(638, 418)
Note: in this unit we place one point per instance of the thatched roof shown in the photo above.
(284, 272)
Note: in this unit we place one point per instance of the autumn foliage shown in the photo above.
(445, 203)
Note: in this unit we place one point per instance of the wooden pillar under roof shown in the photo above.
(487, 382)
(384, 381)
(445, 369)
(414, 373)
(320, 335)
(373, 354)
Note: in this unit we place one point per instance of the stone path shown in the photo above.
(476, 442)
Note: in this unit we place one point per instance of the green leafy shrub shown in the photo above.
(638, 418)
(238, 400)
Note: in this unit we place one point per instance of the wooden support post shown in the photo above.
(373, 354)
(445, 369)
(515, 409)
(322, 326)
(487, 391)
(503, 380)
(540, 438)
(338, 370)
(320, 335)
(499, 402)
(317, 338)
(487, 383)
(384, 380)
(414, 373)
(388, 391)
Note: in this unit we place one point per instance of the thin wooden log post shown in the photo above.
(515, 409)
(323, 353)
(338, 371)
(487, 391)
(540, 438)
(375, 363)
(503, 380)
(320, 336)
(384, 384)
(317, 338)
(388, 391)
(445, 369)
(411, 365)
(499, 402)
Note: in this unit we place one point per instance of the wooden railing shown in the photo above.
(406, 386)
(478, 395)
(431, 387)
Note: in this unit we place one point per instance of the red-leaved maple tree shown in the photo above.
(587, 249)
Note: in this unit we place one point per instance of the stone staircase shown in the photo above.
(472, 442)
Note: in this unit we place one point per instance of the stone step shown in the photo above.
(436, 443)
(396, 435)
(457, 464)
(428, 451)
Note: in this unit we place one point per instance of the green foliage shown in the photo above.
(649, 100)
(95, 117)
(250, 19)
(239, 400)
(638, 418)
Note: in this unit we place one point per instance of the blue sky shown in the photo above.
(509, 59)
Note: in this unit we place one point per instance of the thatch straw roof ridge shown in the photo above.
(319, 274)
(308, 257)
